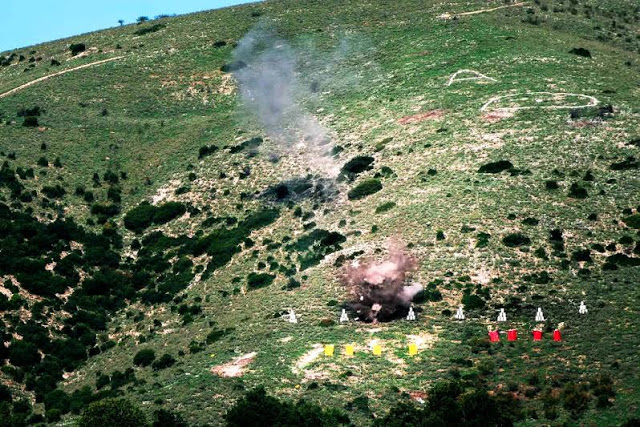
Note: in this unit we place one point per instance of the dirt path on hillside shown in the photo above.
(40, 79)
(475, 12)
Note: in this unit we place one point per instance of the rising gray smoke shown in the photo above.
(379, 290)
(274, 90)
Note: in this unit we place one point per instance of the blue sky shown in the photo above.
(25, 23)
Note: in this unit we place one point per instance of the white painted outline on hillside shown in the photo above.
(592, 101)
(479, 76)
(475, 12)
(40, 79)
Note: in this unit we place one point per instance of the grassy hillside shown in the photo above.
(138, 211)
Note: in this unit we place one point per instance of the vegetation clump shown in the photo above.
(354, 167)
(364, 189)
(77, 48)
(578, 192)
(259, 280)
(144, 357)
(233, 66)
(632, 221)
(516, 239)
(115, 412)
(580, 51)
(145, 214)
(257, 408)
(385, 207)
(150, 29)
(496, 167)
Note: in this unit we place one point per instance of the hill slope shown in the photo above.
(180, 194)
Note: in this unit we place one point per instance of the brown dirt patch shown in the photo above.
(496, 116)
(416, 118)
(419, 396)
(235, 368)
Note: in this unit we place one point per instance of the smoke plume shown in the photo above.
(271, 89)
(379, 290)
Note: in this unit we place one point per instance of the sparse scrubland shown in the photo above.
(156, 228)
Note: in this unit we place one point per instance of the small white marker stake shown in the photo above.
(539, 315)
(502, 316)
(292, 317)
(459, 314)
(343, 317)
(583, 308)
(411, 315)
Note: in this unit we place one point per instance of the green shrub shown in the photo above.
(140, 217)
(110, 176)
(385, 207)
(23, 353)
(516, 239)
(30, 122)
(355, 166)
(164, 362)
(206, 150)
(575, 399)
(250, 144)
(472, 302)
(632, 221)
(54, 192)
(53, 415)
(259, 280)
(496, 167)
(5, 393)
(150, 29)
(144, 357)
(364, 189)
(577, 192)
(551, 185)
(257, 409)
(166, 418)
(168, 211)
(112, 412)
(76, 48)
(483, 240)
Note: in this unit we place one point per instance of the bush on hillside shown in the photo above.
(164, 362)
(112, 412)
(168, 211)
(577, 192)
(259, 280)
(364, 189)
(30, 121)
(144, 357)
(144, 215)
(76, 48)
(257, 409)
(516, 239)
(166, 418)
(496, 167)
(140, 217)
(356, 166)
(632, 221)
(385, 207)
(151, 29)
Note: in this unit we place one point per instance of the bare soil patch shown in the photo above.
(416, 118)
(235, 368)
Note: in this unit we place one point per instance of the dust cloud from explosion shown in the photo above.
(277, 81)
(379, 290)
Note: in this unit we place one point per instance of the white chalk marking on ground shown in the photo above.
(475, 12)
(40, 79)
(308, 358)
(526, 96)
(478, 76)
